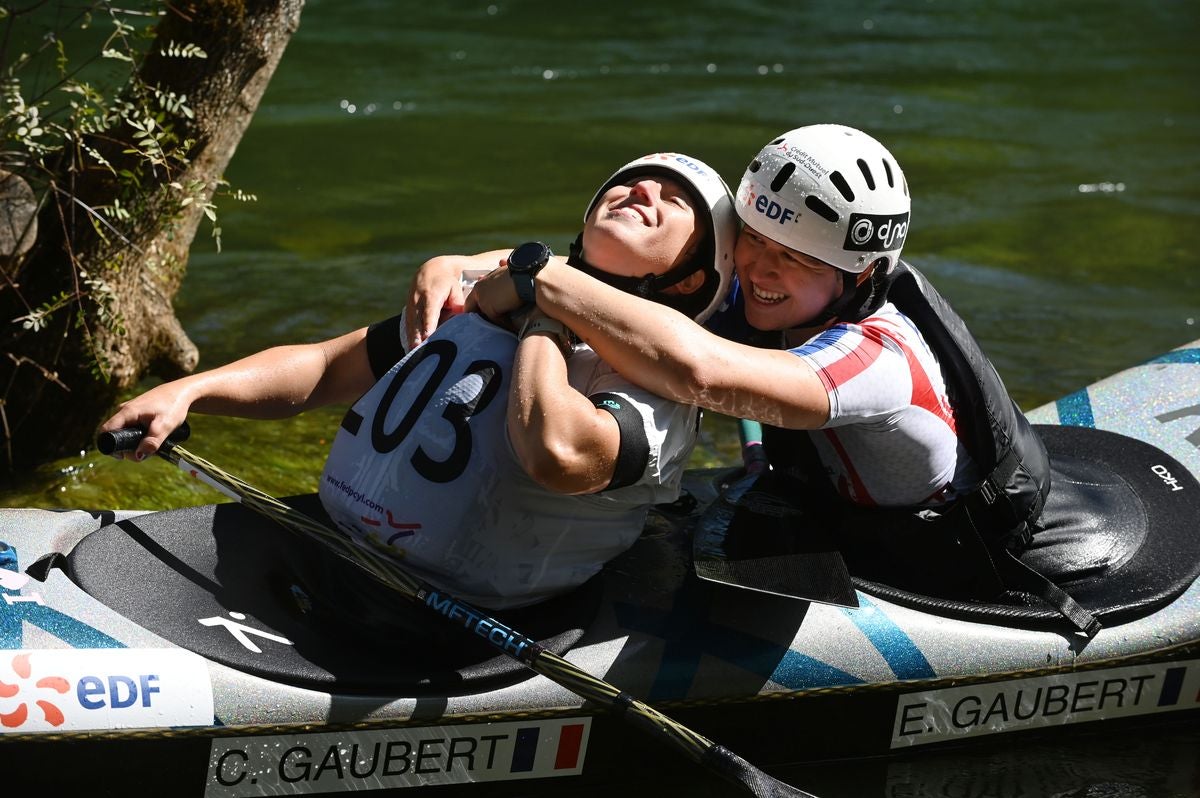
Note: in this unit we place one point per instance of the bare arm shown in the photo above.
(561, 439)
(274, 383)
(665, 352)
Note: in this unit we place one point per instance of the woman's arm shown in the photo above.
(274, 383)
(561, 439)
(437, 292)
(667, 353)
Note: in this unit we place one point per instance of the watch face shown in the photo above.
(528, 256)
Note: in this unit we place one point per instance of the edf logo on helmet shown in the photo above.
(677, 158)
(690, 164)
(774, 211)
(866, 232)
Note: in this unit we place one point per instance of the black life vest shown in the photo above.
(981, 535)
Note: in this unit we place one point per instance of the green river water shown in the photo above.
(1051, 150)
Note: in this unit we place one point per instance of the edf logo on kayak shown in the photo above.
(55, 696)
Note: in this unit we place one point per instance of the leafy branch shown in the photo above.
(72, 101)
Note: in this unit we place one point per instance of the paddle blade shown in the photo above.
(753, 780)
(750, 539)
(819, 576)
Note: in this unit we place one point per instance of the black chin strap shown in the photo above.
(651, 286)
(645, 287)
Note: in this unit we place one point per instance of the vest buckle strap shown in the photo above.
(989, 492)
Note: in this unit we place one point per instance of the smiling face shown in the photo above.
(782, 288)
(647, 225)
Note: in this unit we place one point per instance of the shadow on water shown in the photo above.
(1150, 762)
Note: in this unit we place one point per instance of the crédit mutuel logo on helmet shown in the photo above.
(805, 160)
(876, 232)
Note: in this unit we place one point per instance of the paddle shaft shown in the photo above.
(508, 641)
(754, 456)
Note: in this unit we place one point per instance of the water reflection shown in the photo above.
(1147, 763)
(1043, 147)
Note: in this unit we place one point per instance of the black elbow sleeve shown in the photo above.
(633, 454)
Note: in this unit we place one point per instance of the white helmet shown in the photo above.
(714, 205)
(831, 192)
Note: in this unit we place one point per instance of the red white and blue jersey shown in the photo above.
(891, 439)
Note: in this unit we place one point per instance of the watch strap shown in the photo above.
(562, 335)
(523, 282)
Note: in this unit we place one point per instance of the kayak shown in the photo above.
(186, 652)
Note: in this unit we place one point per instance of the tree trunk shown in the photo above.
(58, 383)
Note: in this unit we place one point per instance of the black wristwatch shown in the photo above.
(523, 265)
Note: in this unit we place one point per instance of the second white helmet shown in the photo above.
(831, 192)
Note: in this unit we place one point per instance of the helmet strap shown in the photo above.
(857, 301)
(651, 286)
(871, 295)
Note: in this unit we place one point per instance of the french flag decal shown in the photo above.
(567, 747)
(1172, 686)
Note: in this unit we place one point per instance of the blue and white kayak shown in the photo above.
(183, 653)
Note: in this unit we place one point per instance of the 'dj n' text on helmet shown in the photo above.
(831, 192)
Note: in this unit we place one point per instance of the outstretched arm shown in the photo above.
(274, 383)
(667, 353)
(561, 439)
